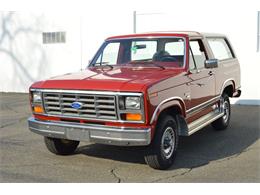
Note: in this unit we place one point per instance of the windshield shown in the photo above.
(157, 51)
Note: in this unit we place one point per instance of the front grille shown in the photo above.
(93, 106)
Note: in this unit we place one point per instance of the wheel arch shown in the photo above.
(175, 108)
(228, 87)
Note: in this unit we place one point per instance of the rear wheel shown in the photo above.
(223, 122)
(61, 146)
(162, 151)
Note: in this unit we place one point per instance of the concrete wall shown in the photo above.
(24, 59)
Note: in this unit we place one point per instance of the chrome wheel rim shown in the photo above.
(226, 111)
(168, 142)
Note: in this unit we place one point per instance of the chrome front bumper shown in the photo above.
(112, 135)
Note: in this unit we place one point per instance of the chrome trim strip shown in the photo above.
(88, 92)
(204, 124)
(199, 107)
(117, 139)
(164, 101)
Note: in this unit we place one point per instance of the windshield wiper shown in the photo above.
(159, 66)
(150, 63)
(107, 65)
(102, 65)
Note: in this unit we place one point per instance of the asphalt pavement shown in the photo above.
(232, 155)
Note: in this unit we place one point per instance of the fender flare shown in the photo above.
(173, 101)
(228, 82)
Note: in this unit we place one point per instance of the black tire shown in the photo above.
(60, 146)
(156, 156)
(223, 122)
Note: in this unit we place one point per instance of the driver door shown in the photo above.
(202, 80)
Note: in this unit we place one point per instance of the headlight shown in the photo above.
(36, 97)
(132, 103)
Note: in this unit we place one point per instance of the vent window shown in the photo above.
(53, 37)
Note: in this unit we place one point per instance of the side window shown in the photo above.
(109, 55)
(220, 48)
(198, 54)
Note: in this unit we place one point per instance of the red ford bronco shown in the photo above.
(140, 90)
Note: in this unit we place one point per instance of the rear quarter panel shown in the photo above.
(228, 71)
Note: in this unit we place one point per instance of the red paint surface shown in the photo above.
(120, 78)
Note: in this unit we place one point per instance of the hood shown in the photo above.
(117, 78)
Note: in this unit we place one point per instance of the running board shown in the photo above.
(204, 121)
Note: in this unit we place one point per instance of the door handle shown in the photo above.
(211, 73)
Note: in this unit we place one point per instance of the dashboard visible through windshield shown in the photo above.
(161, 52)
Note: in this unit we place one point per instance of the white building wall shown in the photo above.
(24, 59)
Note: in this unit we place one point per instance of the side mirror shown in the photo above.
(212, 63)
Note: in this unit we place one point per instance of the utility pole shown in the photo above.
(258, 31)
(134, 21)
(81, 42)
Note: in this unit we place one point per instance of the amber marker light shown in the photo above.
(153, 95)
(133, 117)
(38, 109)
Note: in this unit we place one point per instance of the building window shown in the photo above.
(258, 31)
(53, 37)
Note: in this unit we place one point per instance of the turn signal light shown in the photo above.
(133, 117)
(38, 109)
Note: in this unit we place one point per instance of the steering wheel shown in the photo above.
(168, 59)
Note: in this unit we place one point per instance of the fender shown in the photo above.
(173, 101)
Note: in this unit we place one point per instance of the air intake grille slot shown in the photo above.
(93, 106)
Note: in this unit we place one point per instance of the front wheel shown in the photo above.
(162, 151)
(60, 146)
(223, 122)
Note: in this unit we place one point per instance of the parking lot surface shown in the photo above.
(232, 155)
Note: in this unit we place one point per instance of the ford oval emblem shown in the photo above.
(76, 105)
